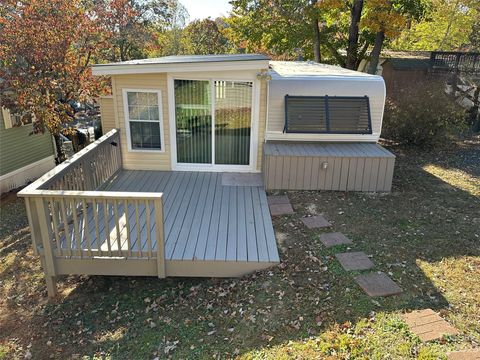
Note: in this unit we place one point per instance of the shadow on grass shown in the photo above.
(410, 233)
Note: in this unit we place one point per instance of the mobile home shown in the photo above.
(176, 186)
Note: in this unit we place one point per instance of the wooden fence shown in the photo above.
(70, 218)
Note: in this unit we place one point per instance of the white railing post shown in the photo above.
(159, 235)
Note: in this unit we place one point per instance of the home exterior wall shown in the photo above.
(112, 114)
(262, 123)
(142, 160)
(107, 112)
(23, 157)
(397, 80)
(373, 87)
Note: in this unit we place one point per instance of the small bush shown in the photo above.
(423, 116)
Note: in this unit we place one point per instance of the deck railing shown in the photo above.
(71, 217)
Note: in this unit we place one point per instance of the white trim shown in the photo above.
(25, 174)
(7, 119)
(179, 67)
(280, 136)
(127, 120)
(252, 166)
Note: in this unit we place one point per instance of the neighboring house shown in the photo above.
(23, 157)
(401, 73)
(401, 69)
(176, 186)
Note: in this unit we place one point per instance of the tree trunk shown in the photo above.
(316, 41)
(375, 54)
(352, 48)
(449, 25)
(59, 148)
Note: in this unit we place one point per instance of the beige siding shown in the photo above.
(349, 167)
(141, 160)
(108, 113)
(262, 122)
(112, 110)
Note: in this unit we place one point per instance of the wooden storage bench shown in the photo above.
(328, 166)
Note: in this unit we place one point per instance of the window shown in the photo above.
(327, 115)
(144, 119)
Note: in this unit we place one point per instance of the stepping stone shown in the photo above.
(280, 209)
(473, 354)
(278, 199)
(428, 325)
(354, 261)
(315, 222)
(378, 284)
(333, 239)
(242, 179)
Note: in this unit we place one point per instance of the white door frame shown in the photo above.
(255, 116)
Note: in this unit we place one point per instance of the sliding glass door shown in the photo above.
(213, 122)
(193, 118)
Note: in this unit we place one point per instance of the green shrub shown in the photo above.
(423, 116)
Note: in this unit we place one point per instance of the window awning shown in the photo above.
(327, 114)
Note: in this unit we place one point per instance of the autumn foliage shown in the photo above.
(46, 49)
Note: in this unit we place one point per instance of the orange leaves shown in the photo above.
(382, 16)
(47, 47)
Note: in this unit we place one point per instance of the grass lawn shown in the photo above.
(425, 235)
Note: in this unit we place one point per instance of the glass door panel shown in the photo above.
(193, 118)
(233, 118)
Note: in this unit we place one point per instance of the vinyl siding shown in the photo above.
(112, 114)
(18, 148)
(262, 123)
(137, 160)
(108, 113)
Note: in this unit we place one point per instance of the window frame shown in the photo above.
(327, 117)
(128, 120)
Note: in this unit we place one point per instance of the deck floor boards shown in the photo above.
(203, 220)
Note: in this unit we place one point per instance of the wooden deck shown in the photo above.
(203, 219)
(90, 216)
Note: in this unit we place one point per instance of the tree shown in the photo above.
(46, 49)
(292, 29)
(203, 37)
(447, 25)
(353, 33)
(285, 29)
(134, 25)
(387, 18)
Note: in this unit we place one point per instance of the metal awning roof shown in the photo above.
(189, 59)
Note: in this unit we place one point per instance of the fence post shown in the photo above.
(45, 235)
(159, 235)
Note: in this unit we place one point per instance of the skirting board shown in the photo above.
(26, 174)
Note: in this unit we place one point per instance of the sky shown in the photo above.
(201, 9)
